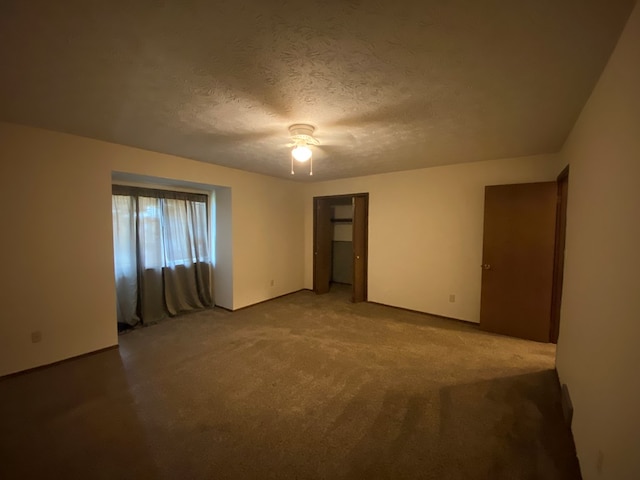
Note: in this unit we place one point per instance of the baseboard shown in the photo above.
(467, 322)
(565, 400)
(567, 404)
(567, 412)
(49, 365)
(264, 301)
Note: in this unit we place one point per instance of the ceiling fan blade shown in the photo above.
(341, 138)
(321, 152)
(223, 139)
(402, 112)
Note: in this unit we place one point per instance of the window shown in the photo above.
(160, 238)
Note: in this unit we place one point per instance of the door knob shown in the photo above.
(486, 266)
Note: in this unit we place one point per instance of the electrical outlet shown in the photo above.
(452, 298)
(36, 336)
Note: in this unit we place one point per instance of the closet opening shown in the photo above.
(340, 244)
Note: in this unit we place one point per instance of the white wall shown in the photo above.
(56, 246)
(57, 275)
(223, 270)
(425, 230)
(598, 354)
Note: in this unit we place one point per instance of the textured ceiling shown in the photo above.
(390, 85)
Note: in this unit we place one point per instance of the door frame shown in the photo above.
(365, 254)
(558, 260)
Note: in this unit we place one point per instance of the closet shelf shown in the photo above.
(342, 220)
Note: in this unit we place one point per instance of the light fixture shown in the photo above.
(301, 140)
(301, 153)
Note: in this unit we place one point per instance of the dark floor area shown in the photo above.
(303, 386)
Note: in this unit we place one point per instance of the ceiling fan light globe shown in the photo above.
(301, 153)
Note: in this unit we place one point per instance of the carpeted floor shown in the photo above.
(303, 386)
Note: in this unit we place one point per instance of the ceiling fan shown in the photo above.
(301, 140)
(303, 146)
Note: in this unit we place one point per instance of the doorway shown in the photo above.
(340, 233)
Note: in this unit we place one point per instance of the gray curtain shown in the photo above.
(161, 253)
(125, 261)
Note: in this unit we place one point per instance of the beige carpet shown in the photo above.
(304, 386)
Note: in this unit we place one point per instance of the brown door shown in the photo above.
(323, 234)
(518, 257)
(360, 234)
(558, 267)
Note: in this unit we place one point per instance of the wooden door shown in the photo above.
(360, 237)
(323, 234)
(518, 257)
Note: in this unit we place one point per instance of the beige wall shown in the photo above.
(57, 275)
(598, 354)
(425, 230)
(57, 256)
(223, 268)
